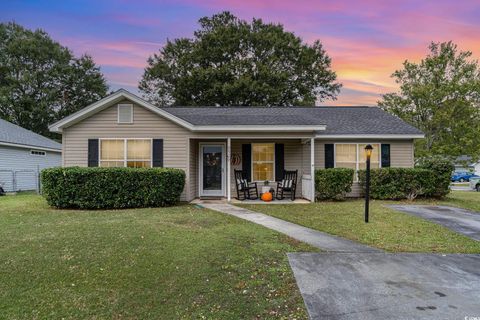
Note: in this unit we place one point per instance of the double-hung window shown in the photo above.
(263, 161)
(352, 155)
(135, 153)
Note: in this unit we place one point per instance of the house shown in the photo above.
(23, 154)
(208, 143)
(466, 163)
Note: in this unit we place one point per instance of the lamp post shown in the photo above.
(368, 153)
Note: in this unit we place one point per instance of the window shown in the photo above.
(37, 153)
(263, 161)
(352, 155)
(125, 113)
(135, 153)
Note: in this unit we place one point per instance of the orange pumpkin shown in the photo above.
(267, 196)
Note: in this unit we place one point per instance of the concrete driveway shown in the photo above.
(459, 220)
(388, 286)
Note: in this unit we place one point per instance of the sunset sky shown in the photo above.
(367, 40)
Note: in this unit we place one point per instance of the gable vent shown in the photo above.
(125, 113)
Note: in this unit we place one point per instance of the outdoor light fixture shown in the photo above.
(368, 153)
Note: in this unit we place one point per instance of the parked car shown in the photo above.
(463, 176)
(475, 184)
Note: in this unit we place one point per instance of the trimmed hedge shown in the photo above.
(399, 183)
(333, 183)
(111, 188)
(443, 168)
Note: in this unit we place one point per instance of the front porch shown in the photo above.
(214, 160)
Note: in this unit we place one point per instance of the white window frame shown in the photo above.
(125, 160)
(358, 155)
(251, 160)
(39, 153)
(118, 112)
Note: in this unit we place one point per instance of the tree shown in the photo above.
(41, 81)
(440, 96)
(232, 62)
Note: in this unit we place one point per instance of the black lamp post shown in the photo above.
(368, 153)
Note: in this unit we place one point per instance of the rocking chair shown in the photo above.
(246, 189)
(288, 184)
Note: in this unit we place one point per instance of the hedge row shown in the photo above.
(443, 168)
(111, 188)
(399, 183)
(333, 183)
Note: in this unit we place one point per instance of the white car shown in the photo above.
(475, 184)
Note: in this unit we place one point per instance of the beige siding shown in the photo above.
(401, 155)
(145, 125)
(193, 175)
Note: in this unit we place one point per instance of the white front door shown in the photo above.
(212, 169)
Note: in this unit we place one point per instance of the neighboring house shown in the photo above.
(124, 130)
(465, 163)
(23, 154)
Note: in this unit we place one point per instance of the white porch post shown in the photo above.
(229, 155)
(312, 167)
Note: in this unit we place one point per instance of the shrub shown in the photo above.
(333, 183)
(443, 168)
(111, 188)
(399, 183)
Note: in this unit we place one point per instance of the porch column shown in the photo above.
(312, 168)
(229, 155)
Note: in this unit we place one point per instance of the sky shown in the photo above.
(367, 39)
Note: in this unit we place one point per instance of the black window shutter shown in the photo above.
(385, 155)
(157, 153)
(93, 152)
(247, 161)
(329, 156)
(279, 161)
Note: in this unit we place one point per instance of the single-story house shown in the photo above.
(23, 154)
(209, 143)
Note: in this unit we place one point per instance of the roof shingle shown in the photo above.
(11, 133)
(338, 120)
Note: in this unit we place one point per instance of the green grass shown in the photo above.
(388, 229)
(168, 263)
(462, 199)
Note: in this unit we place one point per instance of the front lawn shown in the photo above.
(165, 263)
(388, 229)
(462, 199)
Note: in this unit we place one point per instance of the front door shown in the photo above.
(212, 168)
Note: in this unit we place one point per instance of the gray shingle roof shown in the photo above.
(11, 133)
(338, 120)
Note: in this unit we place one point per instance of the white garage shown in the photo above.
(23, 154)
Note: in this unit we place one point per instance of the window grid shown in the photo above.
(127, 159)
(263, 161)
(360, 158)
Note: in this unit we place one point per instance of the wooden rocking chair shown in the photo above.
(246, 189)
(288, 184)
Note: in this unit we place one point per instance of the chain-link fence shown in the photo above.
(20, 180)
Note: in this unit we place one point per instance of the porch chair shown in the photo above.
(288, 184)
(249, 190)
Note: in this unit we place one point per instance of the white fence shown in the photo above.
(307, 191)
(20, 180)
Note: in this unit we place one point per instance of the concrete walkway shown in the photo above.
(315, 238)
(459, 220)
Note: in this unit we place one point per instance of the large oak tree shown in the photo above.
(440, 95)
(230, 62)
(42, 81)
